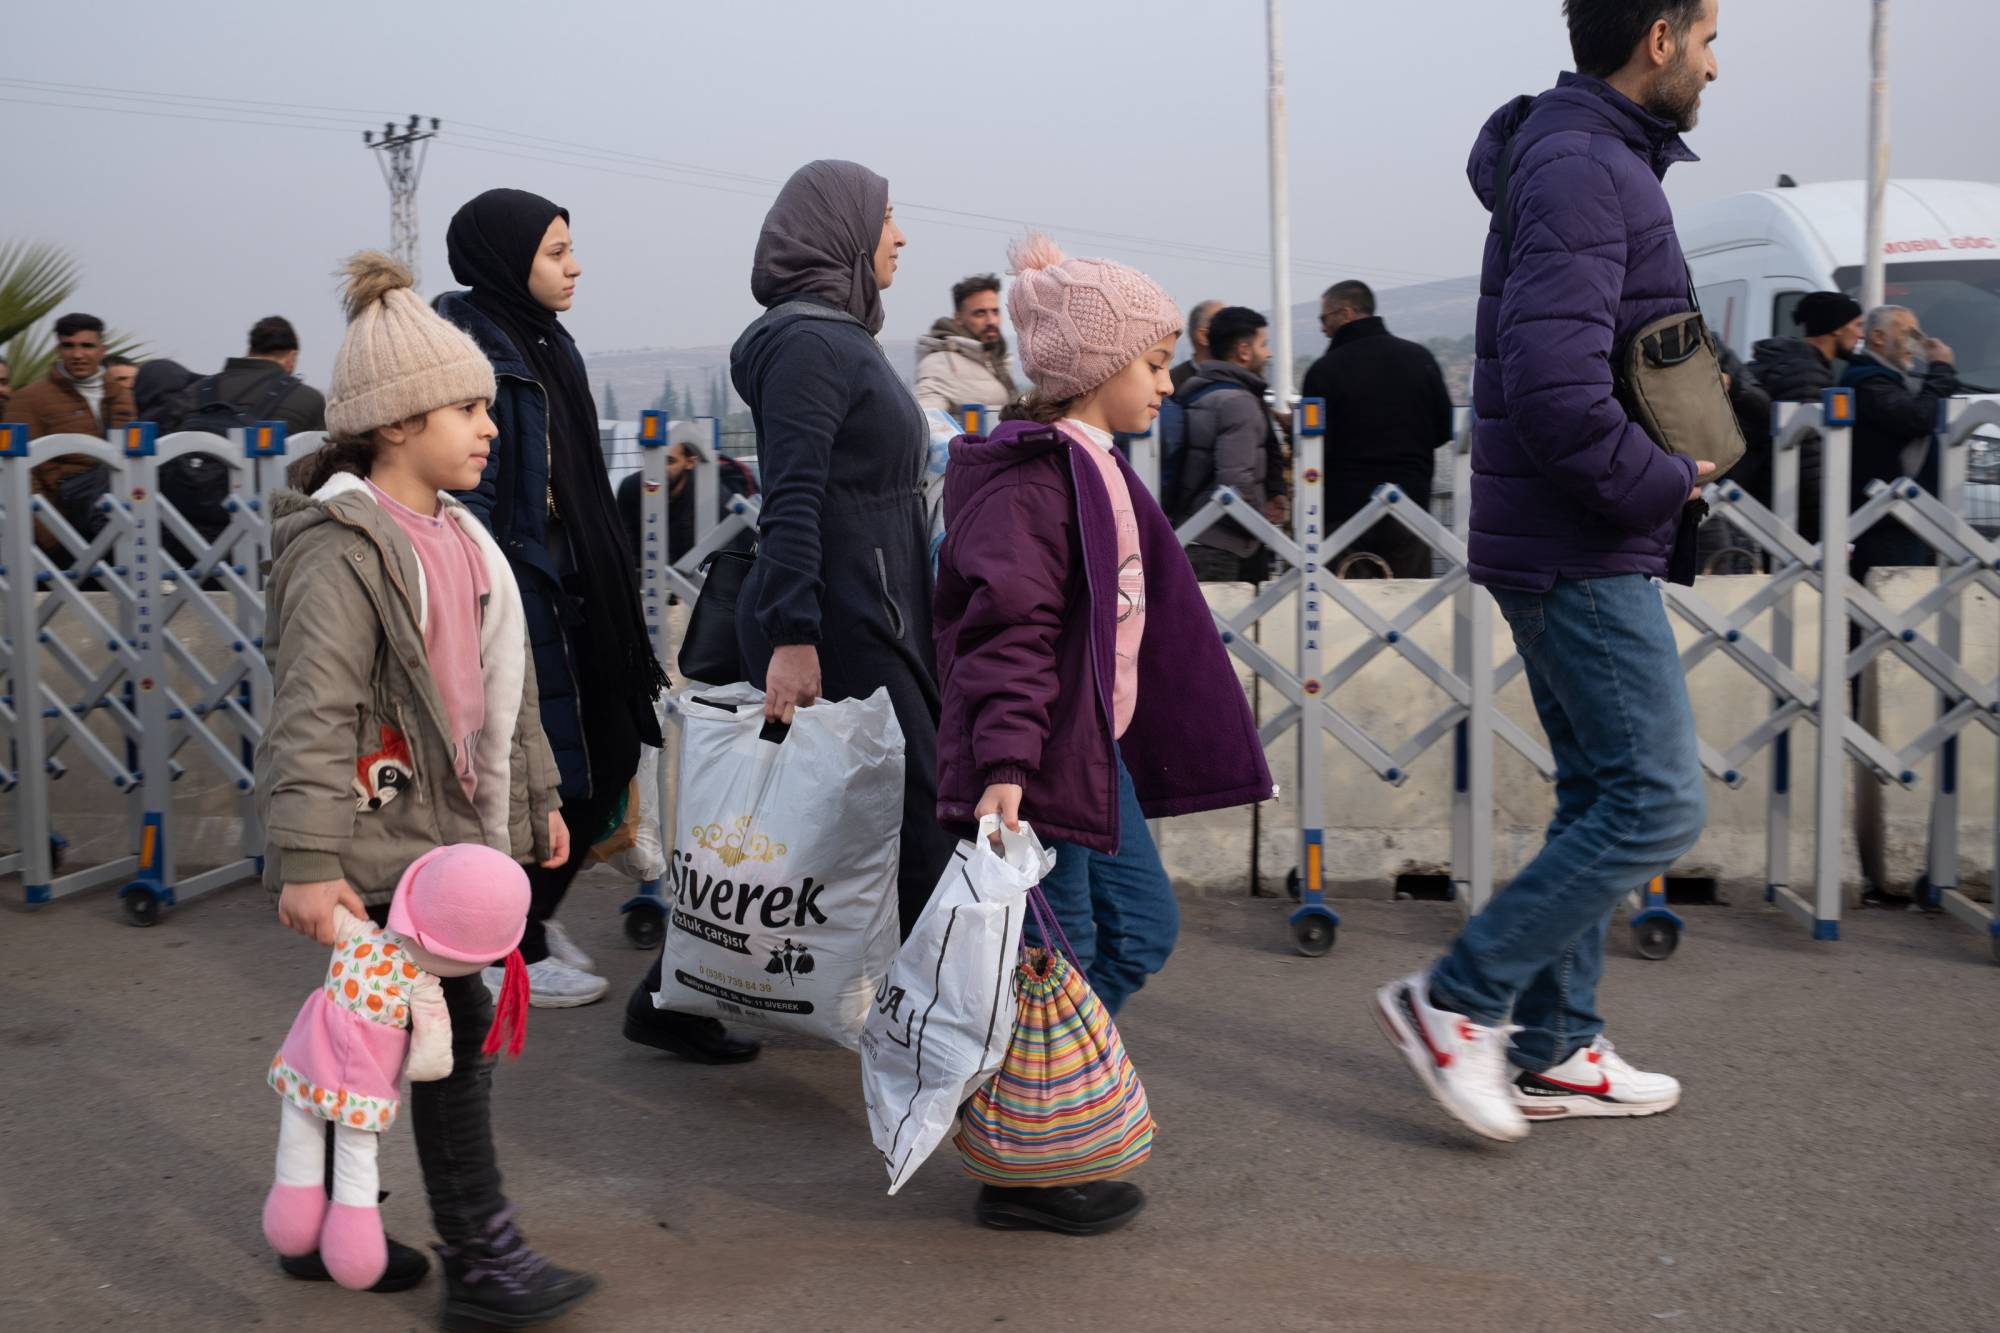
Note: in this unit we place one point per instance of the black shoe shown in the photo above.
(407, 1267)
(1076, 1210)
(690, 1036)
(496, 1281)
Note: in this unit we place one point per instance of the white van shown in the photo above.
(1754, 255)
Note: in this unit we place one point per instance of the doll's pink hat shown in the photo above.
(465, 902)
(469, 903)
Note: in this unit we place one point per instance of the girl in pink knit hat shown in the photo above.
(1084, 685)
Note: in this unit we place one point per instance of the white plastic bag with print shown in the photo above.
(781, 881)
(945, 1013)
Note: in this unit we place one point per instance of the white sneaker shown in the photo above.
(1461, 1063)
(1595, 1081)
(564, 949)
(552, 984)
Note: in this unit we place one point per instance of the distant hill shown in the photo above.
(637, 376)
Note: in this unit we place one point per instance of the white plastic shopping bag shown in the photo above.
(646, 858)
(944, 1014)
(782, 878)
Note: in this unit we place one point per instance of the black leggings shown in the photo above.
(586, 819)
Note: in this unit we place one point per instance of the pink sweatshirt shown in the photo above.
(1131, 590)
(455, 589)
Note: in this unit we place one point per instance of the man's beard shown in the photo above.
(1678, 97)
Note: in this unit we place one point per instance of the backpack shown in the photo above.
(198, 484)
(1177, 492)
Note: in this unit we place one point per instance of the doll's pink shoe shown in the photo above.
(293, 1215)
(352, 1245)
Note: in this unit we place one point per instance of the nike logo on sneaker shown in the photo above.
(1541, 1085)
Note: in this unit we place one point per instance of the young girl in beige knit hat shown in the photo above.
(404, 718)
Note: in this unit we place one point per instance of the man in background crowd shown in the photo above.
(1231, 440)
(74, 398)
(1387, 411)
(1197, 333)
(964, 359)
(1798, 370)
(120, 372)
(260, 385)
(1900, 377)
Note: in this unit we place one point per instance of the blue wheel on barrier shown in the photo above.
(1315, 930)
(645, 917)
(1656, 933)
(143, 906)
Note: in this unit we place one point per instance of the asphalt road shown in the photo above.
(1832, 1168)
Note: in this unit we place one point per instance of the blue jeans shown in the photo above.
(1118, 911)
(1607, 683)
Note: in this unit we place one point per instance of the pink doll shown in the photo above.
(457, 909)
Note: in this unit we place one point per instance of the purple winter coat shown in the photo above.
(1564, 484)
(1026, 620)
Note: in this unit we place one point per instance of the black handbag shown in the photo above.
(710, 653)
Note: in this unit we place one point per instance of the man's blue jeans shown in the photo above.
(1118, 911)
(1607, 682)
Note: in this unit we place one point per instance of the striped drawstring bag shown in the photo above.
(1066, 1107)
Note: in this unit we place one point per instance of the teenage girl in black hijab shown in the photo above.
(547, 498)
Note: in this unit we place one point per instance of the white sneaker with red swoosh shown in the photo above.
(1595, 1081)
(1461, 1063)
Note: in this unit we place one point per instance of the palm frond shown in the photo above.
(35, 278)
(29, 353)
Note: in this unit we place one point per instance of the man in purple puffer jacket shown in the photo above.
(1575, 513)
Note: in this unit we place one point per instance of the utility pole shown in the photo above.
(1874, 282)
(1281, 219)
(402, 166)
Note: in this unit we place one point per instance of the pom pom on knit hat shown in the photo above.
(400, 359)
(1078, 322)
(371, 276)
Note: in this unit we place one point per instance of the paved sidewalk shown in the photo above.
(1834, 1167)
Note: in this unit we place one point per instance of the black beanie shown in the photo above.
(1826, 312)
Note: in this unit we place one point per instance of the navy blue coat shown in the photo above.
(512, 501)
(1564, 484)
(1889, 416)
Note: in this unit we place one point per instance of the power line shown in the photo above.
(502, 142)
(173, 115)
(101, 91)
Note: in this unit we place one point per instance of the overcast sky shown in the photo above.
(1144, 121)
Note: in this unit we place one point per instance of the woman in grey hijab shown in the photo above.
(838, 603)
